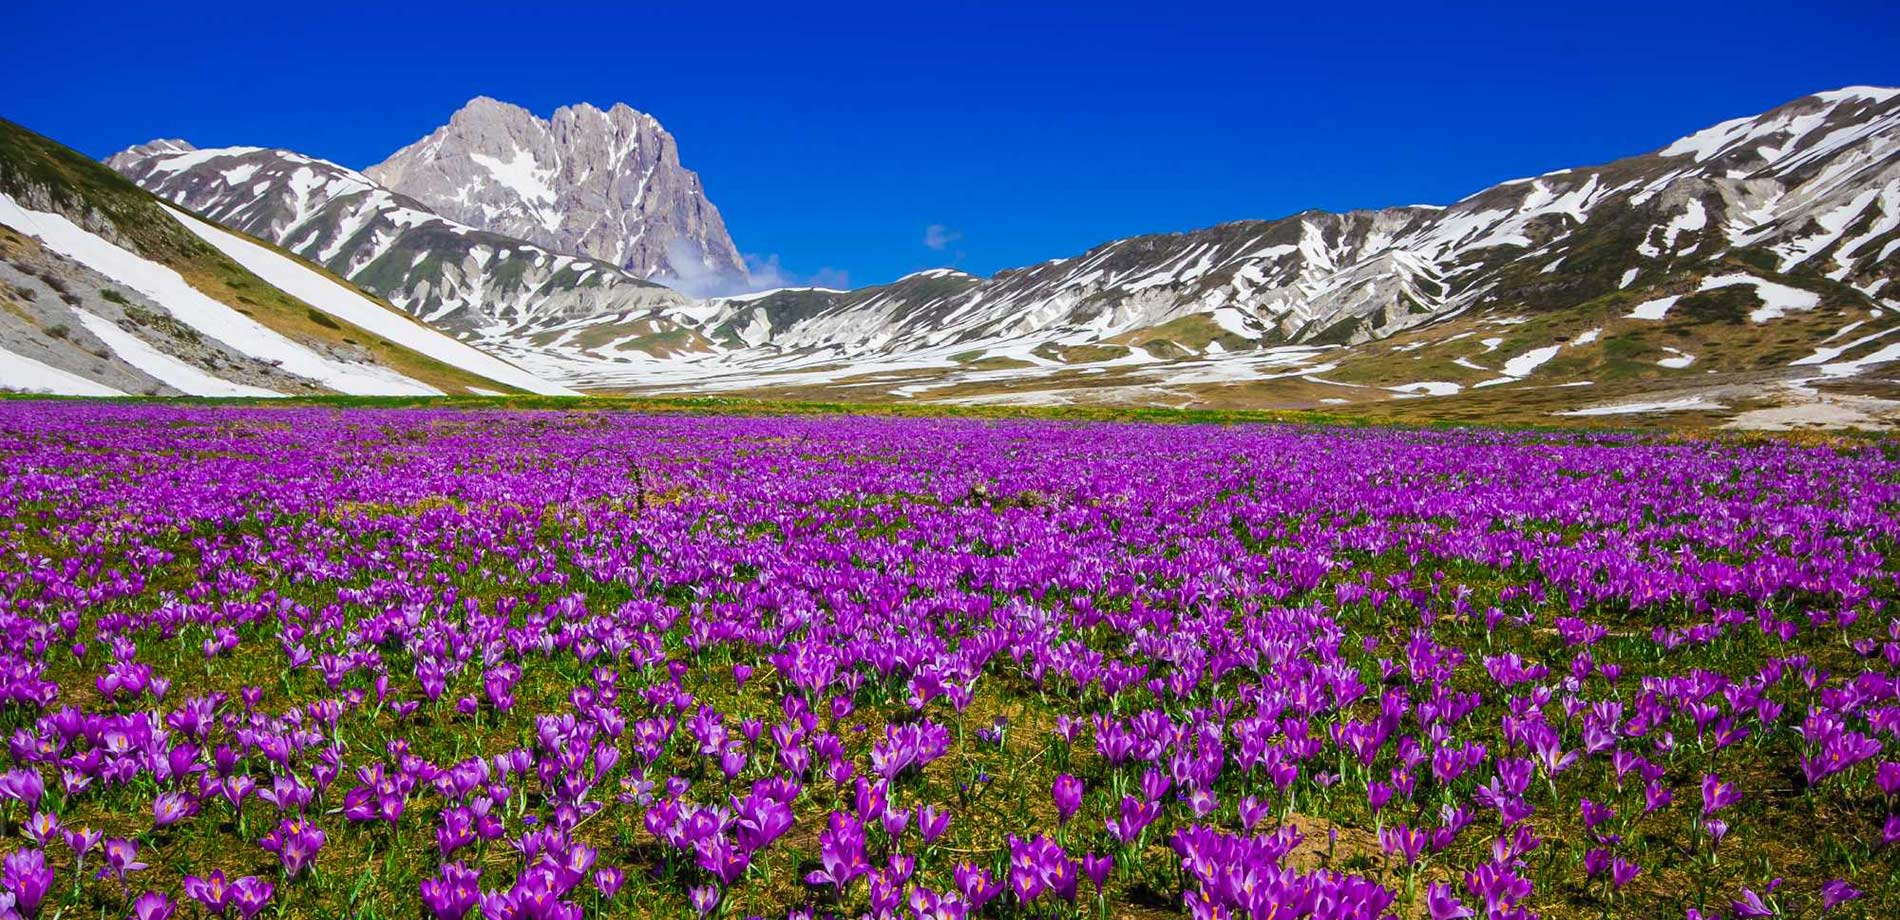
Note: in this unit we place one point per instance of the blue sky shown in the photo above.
(833, 138)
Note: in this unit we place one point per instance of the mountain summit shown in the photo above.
(605, 184)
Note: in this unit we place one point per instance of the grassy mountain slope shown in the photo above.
(42, 174)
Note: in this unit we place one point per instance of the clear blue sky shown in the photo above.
(832, 138)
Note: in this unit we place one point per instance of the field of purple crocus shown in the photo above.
(323, 662)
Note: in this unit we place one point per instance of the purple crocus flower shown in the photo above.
(1717, 795)
(932, 823)
(152, 905)
(979, 886)
(1656, 797)
(926, 904)
(1836, 892)
(895, 821)
(1594, 813)
(234, 789)
(1442, 904)
(211, 890)
(172, 807)
(1037, 865)
(26, 876)
(1067, 793)
(1595, 861)
(81, 841)
(122, 858)
(22, 785)
(1887, 777)
(719, 856)
(1025, 881)
(840, 851)
(1135, 817)
(250, 895)
(1751, 905)
(608, 881)
(296, 843)
(705, 899)
(1404, 842)
(1377, 795)
(452, 892)
(1623, 872)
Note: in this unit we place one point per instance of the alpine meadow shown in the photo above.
(1066, 477)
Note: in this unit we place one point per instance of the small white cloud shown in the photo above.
(690, 274)
(828, 277)
(938, 236)
(766, 274)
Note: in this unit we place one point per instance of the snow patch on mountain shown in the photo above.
(21, 374)
(300, 282)
(192, 307)
(185, 378)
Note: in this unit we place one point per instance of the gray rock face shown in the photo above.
(608, 185)
(459, 278)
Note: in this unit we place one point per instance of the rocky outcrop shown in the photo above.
(604, 184)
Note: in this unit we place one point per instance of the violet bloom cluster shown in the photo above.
(546, 666)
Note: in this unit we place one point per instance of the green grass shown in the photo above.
(1082, 354)
(1183, 336)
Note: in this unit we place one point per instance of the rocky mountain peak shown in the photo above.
(156, 147)
(604, 184)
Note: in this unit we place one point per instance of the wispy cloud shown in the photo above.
(766, 274)
(689, 274)
(938, 236)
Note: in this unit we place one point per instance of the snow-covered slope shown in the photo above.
(1779, 234)
(1814, 184)
(349, 305)
(201, 313)
(106, 290)
(448, 274)
(22, 374)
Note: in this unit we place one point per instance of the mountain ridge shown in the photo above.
(105, 290)
(1304, 309)
(437, 269)
(1811, 188)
